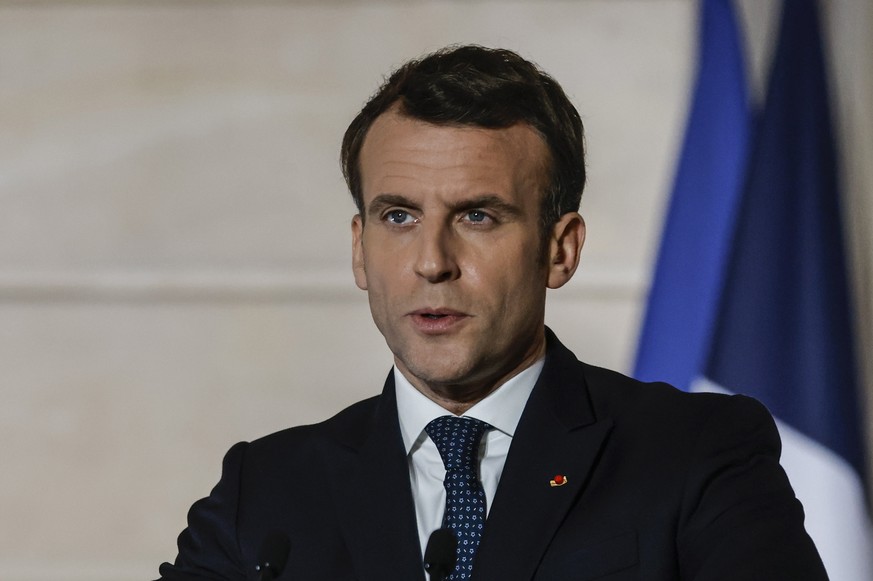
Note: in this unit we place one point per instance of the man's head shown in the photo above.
(452, 242)
(481, 87)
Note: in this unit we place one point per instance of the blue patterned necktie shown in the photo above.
(458, 439)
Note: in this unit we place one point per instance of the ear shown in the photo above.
(358, 252)
(565, 244)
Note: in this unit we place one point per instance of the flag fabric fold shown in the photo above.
(696, 240)
(777, 324)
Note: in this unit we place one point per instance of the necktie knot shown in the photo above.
(457, 440)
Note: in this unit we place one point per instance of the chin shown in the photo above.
(438, 374)
(440, 370)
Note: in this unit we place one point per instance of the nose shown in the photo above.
(436, 259)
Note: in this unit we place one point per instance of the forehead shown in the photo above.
(406, 156)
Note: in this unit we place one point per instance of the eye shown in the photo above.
(399, 217)
(477, 216)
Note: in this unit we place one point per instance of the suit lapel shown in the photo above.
(374, 498)
(557, 434)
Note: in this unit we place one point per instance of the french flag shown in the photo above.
(750, 292)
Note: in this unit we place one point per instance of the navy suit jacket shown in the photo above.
(661, 485)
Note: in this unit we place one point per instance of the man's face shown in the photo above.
(450, 251)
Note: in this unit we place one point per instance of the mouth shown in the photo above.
(437, 321)
(437, 313)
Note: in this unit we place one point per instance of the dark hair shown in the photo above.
(482, 87)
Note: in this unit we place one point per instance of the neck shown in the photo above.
(457, 397)
(452, 403)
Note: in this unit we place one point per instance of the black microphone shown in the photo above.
(441, 554)
(272, 556)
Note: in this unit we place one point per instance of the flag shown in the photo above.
(683, 299)
(782, 330)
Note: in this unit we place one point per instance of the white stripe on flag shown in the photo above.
(832, 496)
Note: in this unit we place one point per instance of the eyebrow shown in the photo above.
(383, 201)
(486, 201)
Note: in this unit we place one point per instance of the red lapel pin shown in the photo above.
(558, 480)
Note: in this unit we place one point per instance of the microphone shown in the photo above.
(441, 554)
(272, 556)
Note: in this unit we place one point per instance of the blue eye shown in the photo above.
(398, 217)
(477, 216)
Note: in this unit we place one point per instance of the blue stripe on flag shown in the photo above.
(690, 267)
(784, 333)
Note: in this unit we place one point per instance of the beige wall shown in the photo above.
(174, 231)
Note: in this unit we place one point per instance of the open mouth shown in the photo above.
(438, 320)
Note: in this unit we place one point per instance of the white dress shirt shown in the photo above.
(501, 409)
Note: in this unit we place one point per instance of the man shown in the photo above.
(467, 170)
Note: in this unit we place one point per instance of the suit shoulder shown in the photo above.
(344, 426)
(617, 395)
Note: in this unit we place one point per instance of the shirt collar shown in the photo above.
(502, 408)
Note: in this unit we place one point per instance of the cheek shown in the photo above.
(387, 281)
(518, 263)
(507, 282)
(375, 259)
(386, 274)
